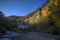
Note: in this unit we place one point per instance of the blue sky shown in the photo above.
(19, 7)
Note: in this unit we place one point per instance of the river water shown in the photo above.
(28, 36)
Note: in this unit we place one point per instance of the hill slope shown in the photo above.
(50, 9)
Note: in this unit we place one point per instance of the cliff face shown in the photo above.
(34, 18)
(50, 9)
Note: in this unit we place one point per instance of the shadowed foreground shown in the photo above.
(29, 36)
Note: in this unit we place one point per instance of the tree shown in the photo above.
(2, 29)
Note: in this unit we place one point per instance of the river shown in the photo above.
(29, 36)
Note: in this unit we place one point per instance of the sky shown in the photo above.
(20, 7)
